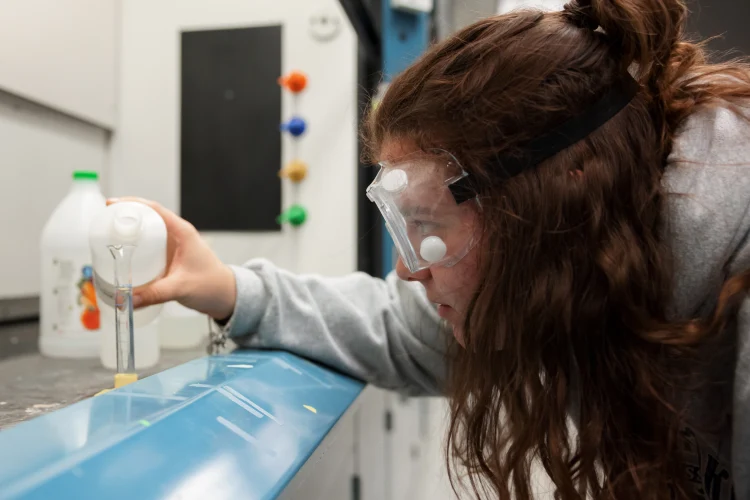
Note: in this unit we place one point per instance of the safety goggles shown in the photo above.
(429, 210)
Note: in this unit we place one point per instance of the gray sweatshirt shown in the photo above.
(387, 333)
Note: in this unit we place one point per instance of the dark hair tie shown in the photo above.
(581, 14)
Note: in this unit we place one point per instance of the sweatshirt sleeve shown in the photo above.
(384, 332)
(741, 407)
(740, 262)
(709, 228)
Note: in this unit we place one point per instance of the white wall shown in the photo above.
(504, 6)
(40, 149)
(60, 53)
(465, 12)
(146, 145)
(57, 102)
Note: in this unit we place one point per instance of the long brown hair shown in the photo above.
(571, 316)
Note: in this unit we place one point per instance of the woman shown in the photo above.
(585, 233)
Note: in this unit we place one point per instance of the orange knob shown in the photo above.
(294, 81)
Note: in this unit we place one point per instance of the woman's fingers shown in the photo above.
(158, 292)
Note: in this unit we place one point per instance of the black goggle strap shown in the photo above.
(559, 138)
(573, 130)
(463, 190)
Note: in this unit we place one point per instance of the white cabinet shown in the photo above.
(62, 54)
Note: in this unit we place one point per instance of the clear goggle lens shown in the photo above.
(427, 209)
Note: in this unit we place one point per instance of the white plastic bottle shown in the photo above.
(69, 313)
(129, 223)
(181, 328)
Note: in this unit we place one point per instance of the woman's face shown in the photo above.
(451, 288)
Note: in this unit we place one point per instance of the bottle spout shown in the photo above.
(126, 225)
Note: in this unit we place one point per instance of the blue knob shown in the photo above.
(295, 126)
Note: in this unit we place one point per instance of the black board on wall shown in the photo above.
(230, 144)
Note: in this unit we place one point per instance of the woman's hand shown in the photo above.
(195, 276)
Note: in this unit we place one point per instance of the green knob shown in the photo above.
(294, 215)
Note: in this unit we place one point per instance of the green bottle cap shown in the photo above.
(294, 215)
(88, 175)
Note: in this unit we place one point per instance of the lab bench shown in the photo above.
(239, 424)
(32, 385)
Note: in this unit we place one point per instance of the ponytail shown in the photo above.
(649, 38)
(644, 32)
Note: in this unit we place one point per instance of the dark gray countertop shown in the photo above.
(31, 385)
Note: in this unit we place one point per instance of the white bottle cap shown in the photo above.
(433, 249)
(126, 224)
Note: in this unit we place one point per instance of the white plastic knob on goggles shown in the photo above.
(429, 210)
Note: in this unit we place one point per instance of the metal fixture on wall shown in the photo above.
(445, 23)
(364, 17)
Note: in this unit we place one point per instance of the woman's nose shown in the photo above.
(403, 272)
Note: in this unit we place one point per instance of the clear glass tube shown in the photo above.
(122, 254)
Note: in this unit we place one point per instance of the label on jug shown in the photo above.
(75, 306)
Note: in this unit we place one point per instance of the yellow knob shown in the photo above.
(295, 171)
